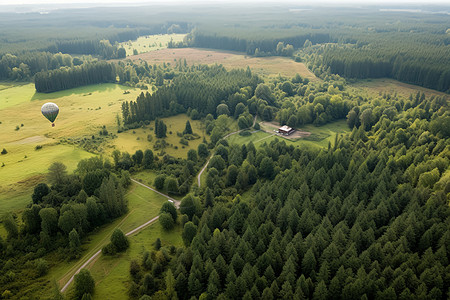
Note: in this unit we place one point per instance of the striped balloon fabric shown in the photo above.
(50, 111)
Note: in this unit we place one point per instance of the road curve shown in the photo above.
(203, 169)
(133, 231)
(175, 202)
(207, 162)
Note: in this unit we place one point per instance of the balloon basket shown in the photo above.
(53, 124)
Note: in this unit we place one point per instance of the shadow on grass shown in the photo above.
(83, 90)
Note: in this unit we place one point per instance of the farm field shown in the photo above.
(82, 113)
(151, 43)
(143, 204)
(136, 139)
(264, 66)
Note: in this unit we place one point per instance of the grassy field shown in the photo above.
(143, 204)
(151, 43)
(147, 177)
(111, 274)
(136, 139)
(320, 136)
(377, 87)
(20, 175)
(12, 94)
(82, 113)
(264, 66)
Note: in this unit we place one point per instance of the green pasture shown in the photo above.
(143, 204)
(19, 175)
(254, 137)
(320, 136)
(83, 111)
(151, 43)
(12, 94)
(137, 139)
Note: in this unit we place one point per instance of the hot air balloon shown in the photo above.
(50, 111)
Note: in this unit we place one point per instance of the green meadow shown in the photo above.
(23, 129)
(83, 112)
(144, 138)
(151, 43)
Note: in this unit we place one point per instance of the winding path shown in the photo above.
(207, 162)
(131, 232)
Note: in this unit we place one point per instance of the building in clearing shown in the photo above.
(285, 130)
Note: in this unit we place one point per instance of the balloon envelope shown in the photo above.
(50, 111)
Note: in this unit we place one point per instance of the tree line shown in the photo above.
(102, 48)
(201, 88)
(24, 66)
(426, 66)
(70, 77)
(258, 47)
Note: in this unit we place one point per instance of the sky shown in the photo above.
(297, 2)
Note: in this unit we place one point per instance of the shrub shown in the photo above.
(119, 240)
(166, 221)
(4, 151)
(169, 208)
(84, 283)
(159, 182)
(245, 133)
(158, 244)
(41, 266)
(109, 249)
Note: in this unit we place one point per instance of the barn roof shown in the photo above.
(285, 128)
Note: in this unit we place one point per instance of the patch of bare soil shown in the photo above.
(31, 140)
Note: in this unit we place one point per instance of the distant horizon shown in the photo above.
(149, 2)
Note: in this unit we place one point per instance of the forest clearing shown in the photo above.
(264, 66)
